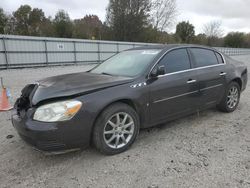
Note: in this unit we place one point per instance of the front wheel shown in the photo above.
(116, 129)
(231, 98)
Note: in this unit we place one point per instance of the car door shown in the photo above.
(210, 75)
(175, 92)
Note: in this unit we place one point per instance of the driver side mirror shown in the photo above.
(157, 71)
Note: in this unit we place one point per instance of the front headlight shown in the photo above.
(58, 111)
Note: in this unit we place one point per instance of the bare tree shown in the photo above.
(213, 29)
(163, 13)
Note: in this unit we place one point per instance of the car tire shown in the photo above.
(231, 98)
(116, 129)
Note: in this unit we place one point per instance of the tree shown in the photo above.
(10, 25)
(163, 13)
(106, 32)
(185, 31)
(200, 39)
(247, 40)
(79, 29)
(234, 40)
(36, 19)
(88, 27)
(166, 38)
(3, 21)
(213, 29)
(27, 21)
(128, 19)
(213, 32)
(21, 19)
(63, 24)
(150, 34)
(47, 28)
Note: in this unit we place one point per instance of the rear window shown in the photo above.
(204, 57)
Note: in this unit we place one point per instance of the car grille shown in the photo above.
(50, 145)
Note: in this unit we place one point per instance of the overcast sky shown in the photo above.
(233, 14)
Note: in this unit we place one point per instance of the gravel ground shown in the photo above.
(209, 150)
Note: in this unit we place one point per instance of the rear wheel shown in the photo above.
(231, 98)
(116, 129)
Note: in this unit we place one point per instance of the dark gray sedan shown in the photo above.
(134, 89)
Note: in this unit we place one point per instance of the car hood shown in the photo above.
(75, 84)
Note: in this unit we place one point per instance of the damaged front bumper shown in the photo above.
(50, 137)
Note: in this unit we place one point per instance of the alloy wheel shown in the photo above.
(233, 97)
(118, 130)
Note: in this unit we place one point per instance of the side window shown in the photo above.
(219, 57)
(176, 60)
(204, 57)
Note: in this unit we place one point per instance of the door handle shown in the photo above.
(191, 81)
(223, 74)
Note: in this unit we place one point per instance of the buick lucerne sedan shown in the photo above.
(137, 88)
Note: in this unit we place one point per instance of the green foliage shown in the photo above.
(36, 20)
(185, 32)
(3, 21)
(21, 18)
(27, 21)
(128, 19)
(215, 41)
(106, 32)
(151, 35)
(168, 38)
(47, 28)
(247, 40)
(235, 40)
(88, 27)
(200, 39)
(63, 24)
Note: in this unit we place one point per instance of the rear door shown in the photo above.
(210, 75)
(176, 92)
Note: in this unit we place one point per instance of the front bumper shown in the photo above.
(56, 136)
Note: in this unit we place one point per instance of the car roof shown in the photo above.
(165, 47)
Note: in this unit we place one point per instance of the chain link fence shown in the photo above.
(234, 51)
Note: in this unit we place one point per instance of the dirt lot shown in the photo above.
(209, 150)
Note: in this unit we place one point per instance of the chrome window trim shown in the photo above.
(191, 69)
(223, 58)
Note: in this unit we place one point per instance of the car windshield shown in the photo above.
(128, 63)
